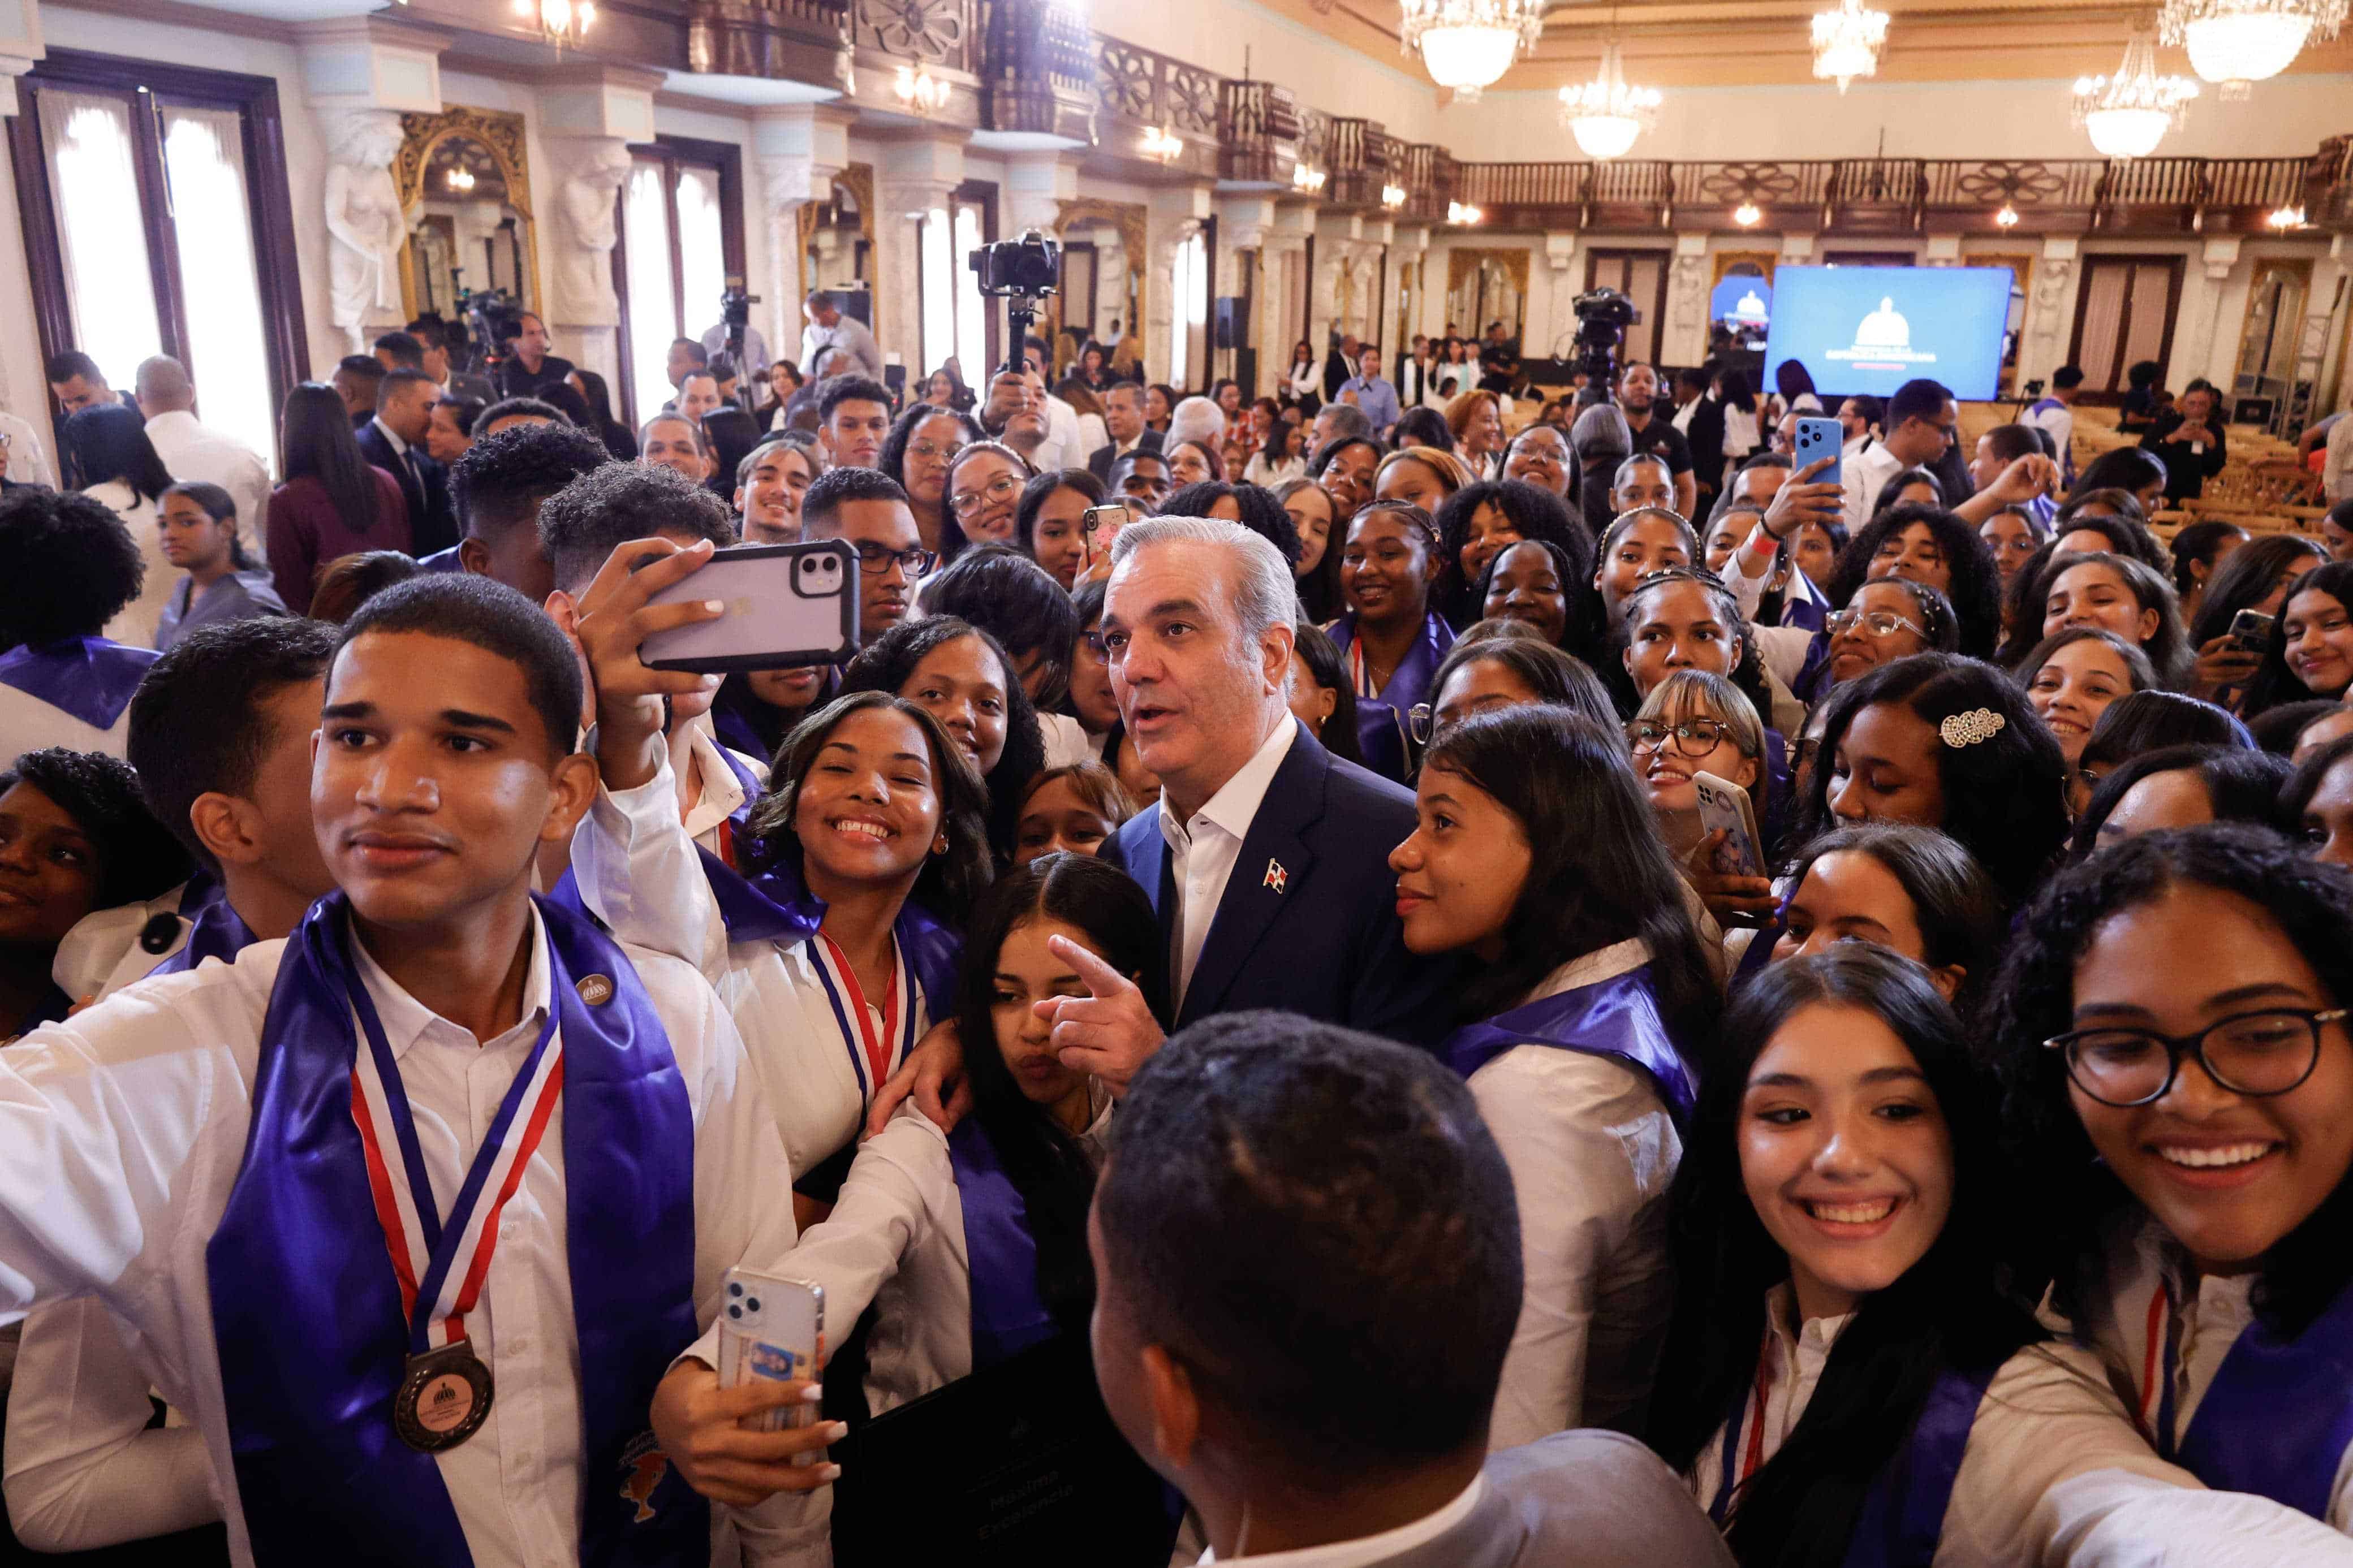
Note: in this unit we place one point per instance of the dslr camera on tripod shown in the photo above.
(1021, 272)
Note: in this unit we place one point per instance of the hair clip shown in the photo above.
(1969, 728)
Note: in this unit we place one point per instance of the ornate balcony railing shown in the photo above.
(782, 40)
(2329, 185)
(1360, 166)
(1257, 130)
(1040, 69)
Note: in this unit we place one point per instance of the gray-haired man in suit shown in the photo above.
(1307, 1270)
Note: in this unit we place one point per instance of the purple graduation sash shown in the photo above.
(1617, 1017)
(2278, 1418)
(775, 905)
(215, 930)
(1902, 1514)
(1382, 717)
(89, 678)
(307, 1315)
(1009, 1315)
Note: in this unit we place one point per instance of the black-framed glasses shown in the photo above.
(997, 489)
(2257, 1055)
(875, 559)
(1693, 737)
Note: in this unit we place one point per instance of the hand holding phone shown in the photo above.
(1724, 804)
(2252, 630)
(1816, 438)
(772, 1329)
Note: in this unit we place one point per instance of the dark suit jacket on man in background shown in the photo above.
(1308, 923)
(1100, 460)
(425, 490)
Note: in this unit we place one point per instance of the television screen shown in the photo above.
(1872, 328)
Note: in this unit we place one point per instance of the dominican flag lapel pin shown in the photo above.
(1276, 877)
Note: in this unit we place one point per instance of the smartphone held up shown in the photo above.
(786, 605)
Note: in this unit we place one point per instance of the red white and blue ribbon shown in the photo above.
(872, 1052)
(442, 1264)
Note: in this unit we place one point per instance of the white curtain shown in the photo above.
(939, 292)
(204, 160)
(972, 312)
(95, 192)
(702, 253)
(652, 312)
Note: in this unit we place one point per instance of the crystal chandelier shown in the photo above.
(2234, 42)
(1847, 42)
(1605, 115)
(2128, 114)
(562, 23)
(1467, 44)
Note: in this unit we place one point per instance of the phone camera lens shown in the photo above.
(735, 1289)
(734, 1310)
(752, 1303)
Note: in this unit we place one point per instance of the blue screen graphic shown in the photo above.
(1872, 328)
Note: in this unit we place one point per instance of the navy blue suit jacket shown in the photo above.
(1326, 942)
(432, 526)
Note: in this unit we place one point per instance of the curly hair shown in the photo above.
(583, 523)
(137, 859)
(1533, 512)
(1976, 590)
(2307, 901)
(949, 883)
(80, 557)
(502, 479)
(2003, 795)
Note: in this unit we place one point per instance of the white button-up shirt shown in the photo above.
(1863, 477)
(122, 1130)
(2053, 1473)
(1592, 1152)
(1202, 852)
(198, 453)
(1367, 1551)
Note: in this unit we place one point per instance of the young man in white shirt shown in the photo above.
(1307, 1271)
(1923, 421)
(2056, 413)
(258, 1155)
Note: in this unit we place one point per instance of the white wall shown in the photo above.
(2287, 117)
(1328, 76)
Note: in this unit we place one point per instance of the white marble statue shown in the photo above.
(364, 222)
(585, 234)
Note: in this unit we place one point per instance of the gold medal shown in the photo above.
(444, 1398)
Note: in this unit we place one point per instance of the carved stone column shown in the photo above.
(1035, 186)
(916, 177)
(1175, 215)
(588, 116)
(800, 148)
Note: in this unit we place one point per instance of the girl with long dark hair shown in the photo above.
(2255, 577)
(918, 452)
(962, 677)
(1536, 853)
(1846, 1380)
(862, 861)
(618, 437)
(2310, 654)
(197, 523)
(332, 502)
(1909, 890)
(1479, 521)
(1314, 517)
(1389, 635)
(2116, 593)
(1934, 547)
(109, 458)
(2171, 1031)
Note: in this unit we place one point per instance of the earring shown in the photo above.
(940, 845)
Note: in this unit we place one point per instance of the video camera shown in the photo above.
(1022, 272)
(494, 319)
(735, 314)
(1602, 318)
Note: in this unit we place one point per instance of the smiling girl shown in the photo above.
(1536, 853)
(1846, 1381)
(2310, 654)
(2171, 1021)
(1390, 637)
(2075, 675)
(2119, 594)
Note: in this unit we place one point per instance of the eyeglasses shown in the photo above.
(1693, 737)
(997, 489)
(1878, 622)
(875, 560)
(2258, 1055)
(934, 450)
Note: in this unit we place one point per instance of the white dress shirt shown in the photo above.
(852, 338)
(1592, 1152)
(2054, 1472)
(1065, 445)
(1067, 741)
(2337, 466)
(27, 464)
(1371, 1549)
(198, 453)
(28, 724)
(1862, 477)
(122, 1130)
(718, 793)
(2140, 1258)
(1202, 853)
(638, 872)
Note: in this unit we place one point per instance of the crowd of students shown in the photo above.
(1476, 1015)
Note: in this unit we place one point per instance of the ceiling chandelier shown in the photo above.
(562, 23)
(1847, 42)
(2128, 114)
(2234, 42)
(1605, 115)
(1467, 44)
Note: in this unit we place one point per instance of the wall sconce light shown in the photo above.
(2286, 218)
(1748, 216)
(2007, 216)
(919, 89)
(459, 179)
(1459, 214)
(562, 23)
(1306, 181)
(1164, 144)
(1392, 196)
